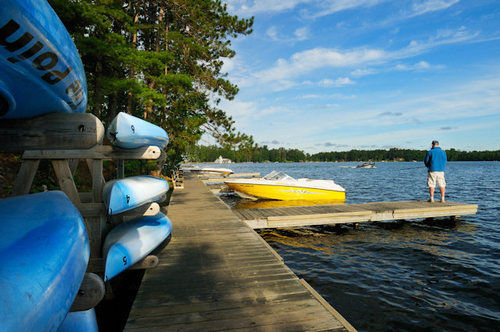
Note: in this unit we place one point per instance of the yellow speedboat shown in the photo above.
(280, 186)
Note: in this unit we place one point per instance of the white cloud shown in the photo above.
(238, 108)
(341, 81)
(272, 32)
(252, 7)
(363, 72)
(320, 8)
(302, 33)
(329, 7)
(422, 7)
(419, 66)
(308, 61)
(228, 65)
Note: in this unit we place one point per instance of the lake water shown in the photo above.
(401, 276)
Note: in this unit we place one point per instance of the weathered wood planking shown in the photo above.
(103, 152)
(218, 274)
(353, 213)
(51, 131)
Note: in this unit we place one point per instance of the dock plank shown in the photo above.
(354, 213)
(218, 274)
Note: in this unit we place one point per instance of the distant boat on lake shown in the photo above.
(366, 165)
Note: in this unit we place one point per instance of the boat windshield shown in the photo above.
(277, 175)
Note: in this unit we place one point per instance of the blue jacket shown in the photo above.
(435, 159)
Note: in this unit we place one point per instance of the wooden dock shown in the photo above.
(352, 213)
(218, 274)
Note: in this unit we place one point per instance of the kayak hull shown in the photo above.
(133, 240)
(80, 321)
(129, 132)
(40, 68)
(126, 194)
(44, 251)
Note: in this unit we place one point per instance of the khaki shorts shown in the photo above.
(435, 177)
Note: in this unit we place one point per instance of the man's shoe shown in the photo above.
(442, 200)
(431, 200)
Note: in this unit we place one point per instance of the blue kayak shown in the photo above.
(44, 251)
(80, 321)
(40, 69)
(128, 132)
(133, 240)
(126, 194)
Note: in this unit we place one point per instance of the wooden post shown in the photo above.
(95, 166)
(120, 169)
(91, 292)
(25, 176)
(147, 262)
(73, 165)
(65, 179)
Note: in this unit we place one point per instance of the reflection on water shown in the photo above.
(407, 275)
(326, 239)
(268, 203)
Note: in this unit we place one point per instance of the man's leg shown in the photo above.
(442, 190)
(431, 192)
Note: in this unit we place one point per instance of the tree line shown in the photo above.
(160, 60)
(202, 153)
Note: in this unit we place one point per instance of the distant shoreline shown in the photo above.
(201, 153)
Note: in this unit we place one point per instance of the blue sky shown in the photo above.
(344, 74)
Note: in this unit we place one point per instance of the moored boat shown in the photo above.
(280, 186)
(40, 68)
(129, 132)
(133, 240)
(215, 170)
(126, 194)
(44, 251)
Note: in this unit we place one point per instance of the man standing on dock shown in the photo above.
(435, 160)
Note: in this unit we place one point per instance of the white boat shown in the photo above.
(214, 170)
(366, 165)
(280, 186)
(207, 170)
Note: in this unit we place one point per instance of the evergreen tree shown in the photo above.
(159, 60)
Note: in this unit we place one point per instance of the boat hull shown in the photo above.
(284, 193)
(80, 321)
(40, 69)
(128, 132)
(44, 251)
(133, 240)
(223, 171)
(126, 194)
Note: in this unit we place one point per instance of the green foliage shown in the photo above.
(200, 153)
(159, 60)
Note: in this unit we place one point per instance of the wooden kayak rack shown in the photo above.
(65, 139)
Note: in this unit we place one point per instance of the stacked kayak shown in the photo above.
(126, 194)
(128, 132)
(40, 69)
(79, 321)
(133, 240)
(44, 251)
